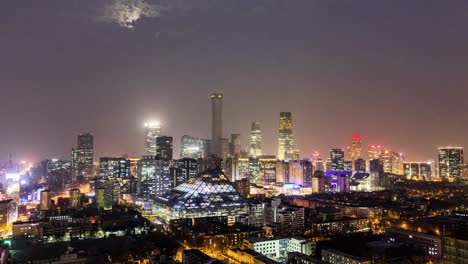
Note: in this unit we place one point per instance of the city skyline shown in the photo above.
(108, 76)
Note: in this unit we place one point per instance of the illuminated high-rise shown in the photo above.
(450, 162)
(392, 162)
(337, 159)
(421, 170)
(256, 140)
(75, 198)
(45, 201)
(356, 146)
(152, 131)
(374, 152)
(216, 124)
(82, 156)
(235, 145)
(285, 139)
(191, 147)
(164, 147)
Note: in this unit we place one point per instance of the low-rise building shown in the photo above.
(337, 257)
(455, 249)
(278, 249)
(431, 245)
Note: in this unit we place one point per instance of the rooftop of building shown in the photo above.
(334, 251)
(266, 260)
(410, 232)
(209, 189)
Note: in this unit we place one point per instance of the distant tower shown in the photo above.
(337, 159)
(285, 139)
(216, 123)
(356, 146)
(152, 131)
(255, 140)
(374, 152)
(164, 147)
(75, 198)
(450, 163)
(235, 145)
(82, 156)
(45, 203)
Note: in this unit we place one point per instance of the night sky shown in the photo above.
(395, 70)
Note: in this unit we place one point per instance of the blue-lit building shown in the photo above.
(209, 194)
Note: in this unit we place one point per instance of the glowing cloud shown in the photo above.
(126, 12)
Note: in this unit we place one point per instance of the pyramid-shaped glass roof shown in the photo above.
(209, 194)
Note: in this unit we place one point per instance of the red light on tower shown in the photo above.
(356, 137)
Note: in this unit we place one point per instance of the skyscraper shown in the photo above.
(75, 198)
(422, 170)
(374, 152)
(191, 147)
(356, 146)
(255, 140)
(216, 123)
(83, 156)
(164, 147)
(450, 162)
(45, 203)
(152, 131)
(337, 159)
(235, 145)
(285, 139)
(392, 162)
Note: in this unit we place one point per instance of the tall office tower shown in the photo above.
(113, 168)
(318, 182)
(182, 170)
(164, 147)
(348, 165)
(374, 152)
(152, 131)
(56, 173)
(450, 163)
(255, 140)
(216, 123)
(237, 168)
(300, 172)
(421, 170)
(254, 170)
(146, 174)
(360, 165)
(83, 156)
(356, 146)
(75, 198)
(392, 162)
(101, 198)
(45, 203)
(225, 148)
(207, 146)
(387, 161)
(154, 176)
(337, 159)
(8, 215)
(235, 146)
(162, 179)
(267, 169)
(376, 165)
(296, 154)
(191, 147)
(285, 139)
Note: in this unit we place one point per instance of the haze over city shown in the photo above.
(391, 70)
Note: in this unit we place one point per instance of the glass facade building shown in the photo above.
(450, 162)
(285, 140)
(256, 140)
(209, 194)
